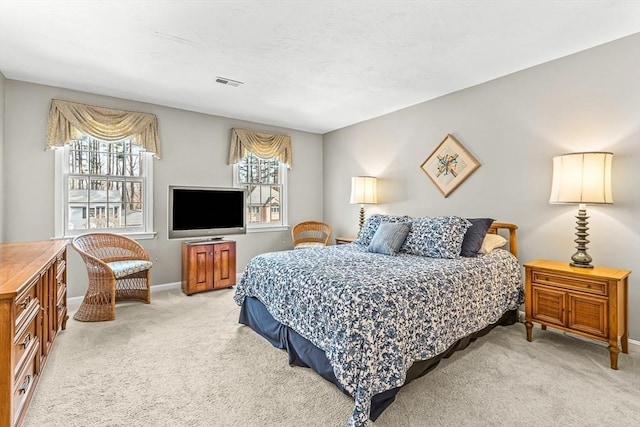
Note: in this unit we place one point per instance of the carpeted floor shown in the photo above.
(185, 361)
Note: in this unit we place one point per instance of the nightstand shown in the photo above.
(344, 240)
(591, 302)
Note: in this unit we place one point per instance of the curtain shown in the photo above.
(261, 145)
(69, 120)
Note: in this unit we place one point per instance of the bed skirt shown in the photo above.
(303, 353)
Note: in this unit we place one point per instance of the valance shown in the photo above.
(69, 120)
(262, 145)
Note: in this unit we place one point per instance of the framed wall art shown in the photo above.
(449, 165)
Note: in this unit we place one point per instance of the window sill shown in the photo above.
(267, 229)
(135, 236)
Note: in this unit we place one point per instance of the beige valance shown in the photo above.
(69, 120)
(261, 145)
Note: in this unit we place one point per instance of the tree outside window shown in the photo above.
(105, 185)
(265, 182)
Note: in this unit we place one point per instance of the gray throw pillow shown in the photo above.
(371, 226)
(389, 237)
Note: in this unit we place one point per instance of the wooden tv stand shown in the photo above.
(208, 265)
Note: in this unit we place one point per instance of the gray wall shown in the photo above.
(2, 194)
(195, 148)
(514, 125)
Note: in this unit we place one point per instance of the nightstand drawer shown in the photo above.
(591, 285)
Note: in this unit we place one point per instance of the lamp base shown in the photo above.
(573, 264)
(581, 258)
(361, 222)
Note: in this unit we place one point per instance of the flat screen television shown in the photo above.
(201, 212)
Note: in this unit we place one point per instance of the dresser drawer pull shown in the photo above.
(26, 302)
(25, 385)
(26, 340)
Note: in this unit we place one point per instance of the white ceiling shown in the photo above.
(315, 66)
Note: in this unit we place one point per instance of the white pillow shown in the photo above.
(491, 242)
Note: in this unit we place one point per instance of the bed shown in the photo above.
(370, 323)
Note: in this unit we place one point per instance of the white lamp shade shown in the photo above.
(364, 190)
(582, 178)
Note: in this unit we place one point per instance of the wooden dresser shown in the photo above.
(33, 307)
(587, 301)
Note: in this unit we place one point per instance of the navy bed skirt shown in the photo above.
(303, 353)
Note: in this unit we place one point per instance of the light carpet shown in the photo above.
(185, 361)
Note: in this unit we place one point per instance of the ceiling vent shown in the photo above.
(228, 82)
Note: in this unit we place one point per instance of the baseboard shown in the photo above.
(74, 302)
(521, 320)
(166, 287)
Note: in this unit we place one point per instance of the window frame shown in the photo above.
(253, 227)
(61, 199)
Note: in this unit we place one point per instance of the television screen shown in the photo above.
(206, 211)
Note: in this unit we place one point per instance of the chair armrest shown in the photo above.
(96, 267)
(110, 247)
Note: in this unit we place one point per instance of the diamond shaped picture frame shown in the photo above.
(449, 165)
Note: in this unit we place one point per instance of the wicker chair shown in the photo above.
(309, 234)
(118, 269)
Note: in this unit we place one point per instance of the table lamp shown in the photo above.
(583, 178)
(363, 191)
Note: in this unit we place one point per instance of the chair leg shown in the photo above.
(148, 301)
(97, 306)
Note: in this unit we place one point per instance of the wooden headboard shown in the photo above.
(513, 238)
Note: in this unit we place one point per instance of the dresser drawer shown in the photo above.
(60, 270)
(61, 307)
(25, 302)
(25, 382)
(61, 290)
(583, 284)
(24, 341)
(60, 263)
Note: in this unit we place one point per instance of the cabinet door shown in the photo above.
(548, 305)
(588, 314)
(200, 265)
(49, 316)
(224, 261)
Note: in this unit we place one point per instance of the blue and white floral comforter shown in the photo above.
(374, 315)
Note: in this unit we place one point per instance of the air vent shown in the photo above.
(228, 82)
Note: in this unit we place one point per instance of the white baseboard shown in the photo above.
(74, 302)
(521, 320)
(166, 287)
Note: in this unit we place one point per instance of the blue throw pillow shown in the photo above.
(436, 237)
(475, 235)
(389, 238)
(372, 223)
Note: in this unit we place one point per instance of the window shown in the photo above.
(103, 186)
(266, 184)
